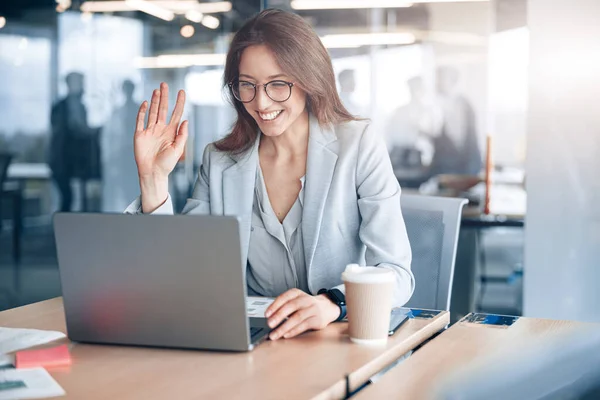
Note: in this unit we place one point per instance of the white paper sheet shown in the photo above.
(31, 383)
(7, 361)
(256, 306)
(13, 339)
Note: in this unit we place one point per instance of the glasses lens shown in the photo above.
(243, 91)
(279, 90)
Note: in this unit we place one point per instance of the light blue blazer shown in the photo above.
(351, 204)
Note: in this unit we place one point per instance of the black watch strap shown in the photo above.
(338, 298)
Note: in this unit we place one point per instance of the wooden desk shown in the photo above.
(461, 344)
(310, 366)
(19, 174)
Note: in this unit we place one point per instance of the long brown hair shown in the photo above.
(300, 53)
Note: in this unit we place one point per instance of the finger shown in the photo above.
(297, 318)
(163, 106)
(307, 324)
(139, 123)
(178, 110)
(281, 300)
(153, 108)
(288, 309)
(181, 139)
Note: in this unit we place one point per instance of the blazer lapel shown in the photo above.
(320, 166)
(238, 192)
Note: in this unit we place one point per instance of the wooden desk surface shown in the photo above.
(456, 347)
(310, 366)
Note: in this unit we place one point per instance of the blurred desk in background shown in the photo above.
(411, 178)
(33, 180)
(496, 261)
(17, 177)
(17, 190)
(472, 217)
(29, 171)
(24, 173)
(490, 251)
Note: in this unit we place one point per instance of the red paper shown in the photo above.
(53, 357)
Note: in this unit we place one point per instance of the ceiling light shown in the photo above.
(182, 6)
(175, 6)
(210, 22)
(187, 31)
(63, 5)
(180, 60)
(347, 4)
(449, 1)
(2, 22)
(151, 9)
(194, 16)
(217, 7)
(367, 39)
(454, 38)
(105, 6)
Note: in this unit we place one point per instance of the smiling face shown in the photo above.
(259, 66)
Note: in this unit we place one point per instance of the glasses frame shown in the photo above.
(264, 85)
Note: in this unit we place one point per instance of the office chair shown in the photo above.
(432, 224)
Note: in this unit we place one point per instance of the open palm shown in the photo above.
(160, 145)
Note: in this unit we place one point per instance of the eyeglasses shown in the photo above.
(245, 91)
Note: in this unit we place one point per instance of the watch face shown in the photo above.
(337, 296)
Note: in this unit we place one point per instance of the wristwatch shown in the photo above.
(338, 298)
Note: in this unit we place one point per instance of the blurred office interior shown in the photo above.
(453, 87)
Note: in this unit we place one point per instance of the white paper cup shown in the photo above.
(369, 296)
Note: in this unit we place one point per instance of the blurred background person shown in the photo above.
(73, 143)
(410, 133)
(456, 148)
(347, 86)
(119, 172)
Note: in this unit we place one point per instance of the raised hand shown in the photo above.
(158, 146)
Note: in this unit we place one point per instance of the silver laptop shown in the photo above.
(155, 280)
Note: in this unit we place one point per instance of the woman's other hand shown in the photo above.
(303, 312)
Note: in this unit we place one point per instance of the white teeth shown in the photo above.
(270, 116)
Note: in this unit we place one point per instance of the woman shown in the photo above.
(313, 187)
